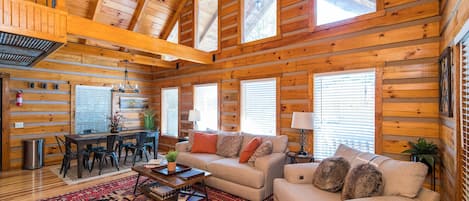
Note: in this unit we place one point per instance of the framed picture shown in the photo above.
(133, 103)
(446, 96)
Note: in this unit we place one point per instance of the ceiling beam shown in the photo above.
(170, 23)
(141, 4)
(132, 40)
(95, 6)
(123, 56)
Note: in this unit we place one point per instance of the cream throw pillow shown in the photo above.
(403, 178)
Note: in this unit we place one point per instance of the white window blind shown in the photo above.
(206, 102)
(259, 106)
(259, 19)
(92, 108)
(344, 107)
(465, 118)
(169, 111)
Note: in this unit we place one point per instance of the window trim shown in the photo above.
(161, 112)
(194, 26)
(218, 99)
(312, 17)
(277, 99)
(277, 36)
(379, 71)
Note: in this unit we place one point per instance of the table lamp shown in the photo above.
(194, 116)
(303, 121)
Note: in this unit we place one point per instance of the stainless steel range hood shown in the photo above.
(22, 50)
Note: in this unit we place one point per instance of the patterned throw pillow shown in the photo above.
(363, 181)
(330, 174)
(263, 150)
(229, 145)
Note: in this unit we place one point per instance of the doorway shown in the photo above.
(4, 121)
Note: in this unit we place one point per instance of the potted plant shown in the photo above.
(116, 121)
(149, 119)
(423, 151)
(171, 158)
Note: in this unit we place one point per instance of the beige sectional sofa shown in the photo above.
(401, 180)
(249, 182)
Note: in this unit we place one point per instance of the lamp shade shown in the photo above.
(194, 115)
(303, 120)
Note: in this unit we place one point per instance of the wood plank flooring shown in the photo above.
(23, 185)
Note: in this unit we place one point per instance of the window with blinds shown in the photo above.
(259, 106)
(206, 102)
(344, 107)
(169, 111)
(465, 118)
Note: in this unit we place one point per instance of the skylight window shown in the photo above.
(259, 19)
(329, 11)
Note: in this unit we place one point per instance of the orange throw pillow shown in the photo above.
(249, 150)
(204, 143)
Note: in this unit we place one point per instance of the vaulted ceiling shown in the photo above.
(150, 17)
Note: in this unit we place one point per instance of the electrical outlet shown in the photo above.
(19, 125)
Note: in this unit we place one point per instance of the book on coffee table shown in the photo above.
(191, 174)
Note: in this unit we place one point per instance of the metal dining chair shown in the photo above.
(110, 152)
(69, 155)
(137, 148)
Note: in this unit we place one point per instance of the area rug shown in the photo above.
(122, 189)
(108, 170)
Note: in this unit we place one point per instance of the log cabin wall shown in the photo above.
(47, 112)
(454, 14)
(402, 44)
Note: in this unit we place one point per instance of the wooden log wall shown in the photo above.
(454, 14)
(47, 112)
(402, 44)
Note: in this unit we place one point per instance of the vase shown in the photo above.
(171, 166)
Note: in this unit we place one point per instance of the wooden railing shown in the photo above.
(34, 20)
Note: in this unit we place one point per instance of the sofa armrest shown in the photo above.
(301, 173)
(427, 195)
(182, 146)
(272, 167)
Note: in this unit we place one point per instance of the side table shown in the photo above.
(295, 158)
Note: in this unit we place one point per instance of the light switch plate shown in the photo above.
(19, 125)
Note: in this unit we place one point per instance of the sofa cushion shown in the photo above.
(231, 170)
(263, 150)
(229, 145)
(196, 160)
(279, 142)
(346, 152)
(330, 174)
(362, 181)
(204, 143)
(285, 191)
(249, 149)
(402, 177)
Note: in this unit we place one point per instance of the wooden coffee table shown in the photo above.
(174, 181)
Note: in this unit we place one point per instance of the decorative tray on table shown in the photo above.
(164, 170)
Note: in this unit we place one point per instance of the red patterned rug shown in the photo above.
(122, 189)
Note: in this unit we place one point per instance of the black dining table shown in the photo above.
(82, 140)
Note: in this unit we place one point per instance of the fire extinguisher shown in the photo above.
(19, 98)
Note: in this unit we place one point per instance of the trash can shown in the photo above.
(33, 153)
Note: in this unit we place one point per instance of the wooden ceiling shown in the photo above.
(149, 17)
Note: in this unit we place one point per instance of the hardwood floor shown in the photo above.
(22, 185)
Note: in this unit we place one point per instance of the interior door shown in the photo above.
(1, 109)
